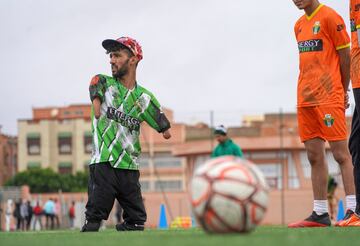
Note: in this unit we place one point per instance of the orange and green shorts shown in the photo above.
(324, 121)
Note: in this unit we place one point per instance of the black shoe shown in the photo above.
(313, 220)
(90, 226)
(129, 227)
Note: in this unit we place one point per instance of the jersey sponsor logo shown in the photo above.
(329, 120)
(316, 27)
(123, 119)
(310, 45)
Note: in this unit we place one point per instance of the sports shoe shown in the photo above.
(125, 226)
(313, 220)
(90, 226)
(345, 221)
(353, 221)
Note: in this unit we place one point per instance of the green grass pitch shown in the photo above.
(262, 236)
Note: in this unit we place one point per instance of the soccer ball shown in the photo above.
(228, 194)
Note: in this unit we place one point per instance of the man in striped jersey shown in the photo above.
(119, 105)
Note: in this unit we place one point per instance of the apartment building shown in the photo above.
(60, 138)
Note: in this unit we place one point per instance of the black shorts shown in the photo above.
(107, 183)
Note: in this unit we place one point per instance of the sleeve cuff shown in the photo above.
(92, 97)
(164, 123)
(343, 46)
(165, 128)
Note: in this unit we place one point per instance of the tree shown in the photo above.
(46, 181)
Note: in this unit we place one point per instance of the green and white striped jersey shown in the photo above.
(116, 132)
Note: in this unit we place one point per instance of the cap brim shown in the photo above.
(110, 44)
(220, 133)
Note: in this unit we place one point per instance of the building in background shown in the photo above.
(270, 141)
(60, 138)
(56, 137)
(8, 157)
(160, 169)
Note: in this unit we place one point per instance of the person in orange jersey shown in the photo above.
(324, 51)
(353, 219)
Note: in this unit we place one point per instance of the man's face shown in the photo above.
(220, 138)
(302, 4)
(119, 61)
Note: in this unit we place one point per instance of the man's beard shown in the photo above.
(122, 71)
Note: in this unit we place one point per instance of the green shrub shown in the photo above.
(47, 181)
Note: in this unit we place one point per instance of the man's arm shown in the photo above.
(214, 153)
(238, 151)
(166, 134)
(336, 29)
(96, 105)
(344, 55)
(97, 90)
(156, 118)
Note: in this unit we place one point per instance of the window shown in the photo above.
(33, 143)
(144, 160)
(88, 142)
(293, 179)
(64, 143)
(247, 155)
(264, 155)
(168, 185)
(272, 173)
(166, 160)
(65, 167)
(305, 164)
(79, 112)
(200, 160)
(145, 185)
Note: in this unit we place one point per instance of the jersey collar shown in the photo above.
(127, 89)
(227, 142)
(309, 17)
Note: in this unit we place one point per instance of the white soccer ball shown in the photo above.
(228, 194)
